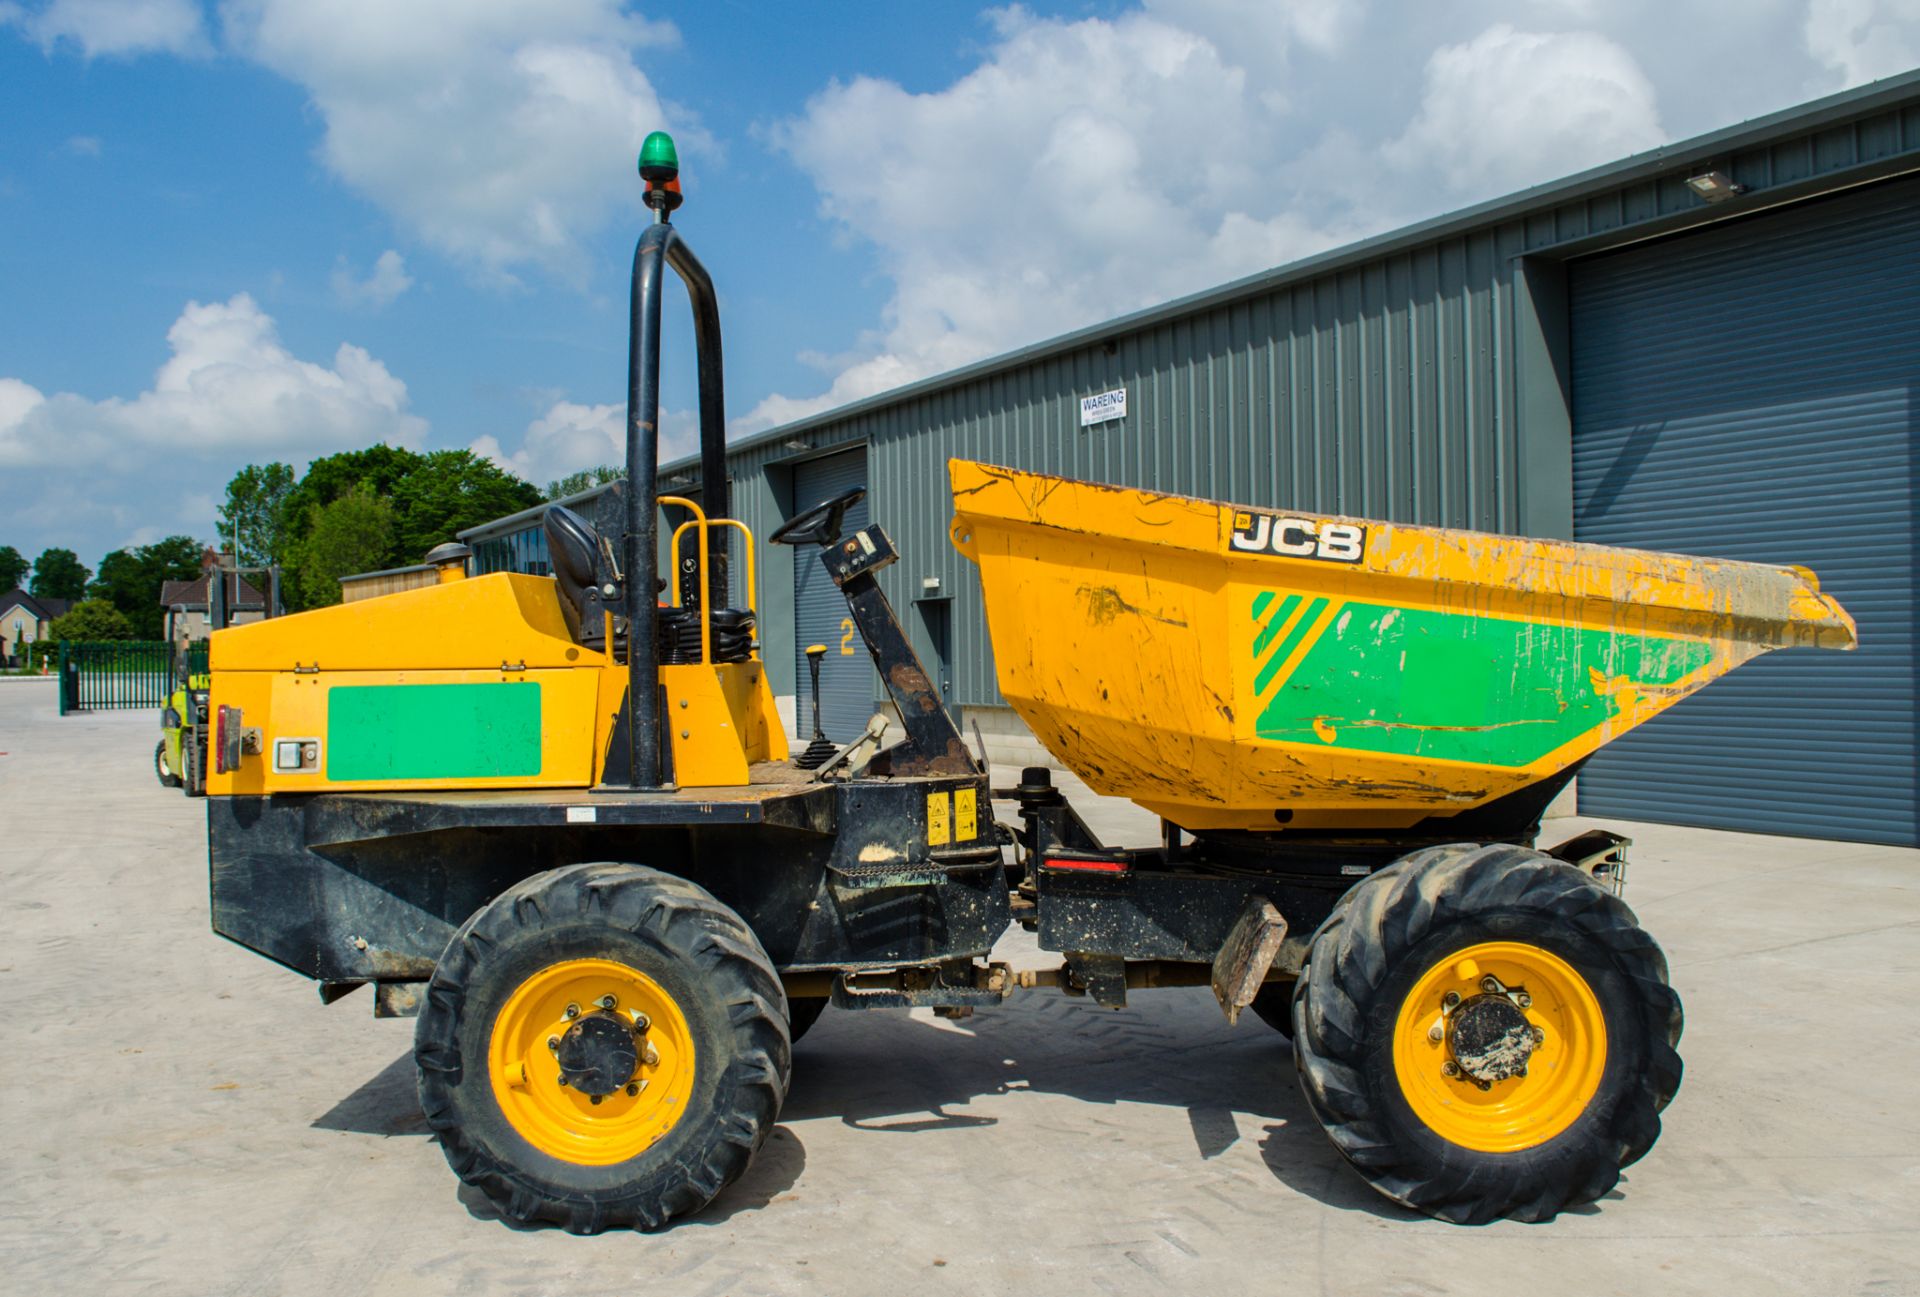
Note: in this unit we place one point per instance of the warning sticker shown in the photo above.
(939, 820)
(965, 829)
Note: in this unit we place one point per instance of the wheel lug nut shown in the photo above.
(1448, 1068)
(607, 1002)
(641, 1022)
(632, 1090)
(1539, 1035)
(1484, 1085)
(553, 1043)
(596, 1100)
(573, 1010)
(1521, 1072)
(1491, 985)
(563, 1081)
(1436, 1032)
(1524, 1000)
(1450, 1000)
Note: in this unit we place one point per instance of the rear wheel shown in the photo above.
(1485, 1032)
(167, 778)
(602, 1045)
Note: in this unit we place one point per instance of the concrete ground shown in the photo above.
(179, 1116)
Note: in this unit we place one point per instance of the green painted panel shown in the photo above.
(1462, 688)
(446, 731)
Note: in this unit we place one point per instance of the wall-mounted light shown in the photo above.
(1715, 186)
(797, 443)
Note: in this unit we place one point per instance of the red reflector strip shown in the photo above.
(1089, 866)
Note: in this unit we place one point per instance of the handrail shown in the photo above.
(673, 556)
(701, 521)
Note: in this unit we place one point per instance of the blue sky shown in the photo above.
(278, 228)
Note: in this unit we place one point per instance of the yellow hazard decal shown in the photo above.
(964, 827)
(939, 820)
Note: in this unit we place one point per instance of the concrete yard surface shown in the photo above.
(178, 1115)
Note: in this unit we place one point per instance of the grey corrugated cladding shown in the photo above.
(1417, 376)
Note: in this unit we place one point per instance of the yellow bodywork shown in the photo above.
(423, 670)
(1229, 667)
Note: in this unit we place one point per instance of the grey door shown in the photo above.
(1750, 392)
(820, 612)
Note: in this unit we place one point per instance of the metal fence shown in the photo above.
(121, 674)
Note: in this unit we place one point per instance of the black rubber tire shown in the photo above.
(1390, 929)
(167, 778)
(802, 1012)
(699, 951)
(193, 755)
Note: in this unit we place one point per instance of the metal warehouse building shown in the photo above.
(1712, 348)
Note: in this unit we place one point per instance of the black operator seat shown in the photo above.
(574, 548)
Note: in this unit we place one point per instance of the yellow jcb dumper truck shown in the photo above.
(558, 820)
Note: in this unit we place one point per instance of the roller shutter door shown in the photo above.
(820, 611)
(1750, 392)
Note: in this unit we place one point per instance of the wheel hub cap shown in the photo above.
(1490, 1038)
(599, 1054)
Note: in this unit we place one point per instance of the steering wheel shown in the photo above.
(819, 525)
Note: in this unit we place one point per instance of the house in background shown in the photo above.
(24, 620)
(188, 617)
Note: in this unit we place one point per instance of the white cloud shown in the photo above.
(493, 129)
(1509, 109)
(83, 146)
(113, 27)
(571, 437)
(379, 289)
(1864, 40)
(229, 387)
(1083, 170)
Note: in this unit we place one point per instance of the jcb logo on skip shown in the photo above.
(1332, 542)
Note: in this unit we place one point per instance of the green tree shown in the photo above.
(449, 491)
(91, 619)
(130, 579)
(59, 574)
(254, 518)
(574, 483)
(13, 567)
(351, 533)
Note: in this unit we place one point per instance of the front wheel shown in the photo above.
(1485, 1032)
(602, 1045)
(167, 778)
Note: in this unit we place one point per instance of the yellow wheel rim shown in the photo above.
(558, 1119)
(1562, 1074)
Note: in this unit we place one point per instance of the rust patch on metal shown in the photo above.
(1104, 603)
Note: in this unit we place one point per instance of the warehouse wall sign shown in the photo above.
(1104, 408)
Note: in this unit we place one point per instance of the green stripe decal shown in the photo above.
(1261, 602)
(1459, 687)
(1272, 628)
(1288, 645)
(450, 731)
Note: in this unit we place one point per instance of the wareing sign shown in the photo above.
(1103, 408)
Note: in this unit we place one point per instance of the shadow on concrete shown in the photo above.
(388, 1104)
(892, 1074)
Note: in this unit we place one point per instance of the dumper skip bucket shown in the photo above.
(1237, 668)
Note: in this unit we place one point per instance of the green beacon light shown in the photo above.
(660, 168)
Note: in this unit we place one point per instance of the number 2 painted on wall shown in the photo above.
(846, 641)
